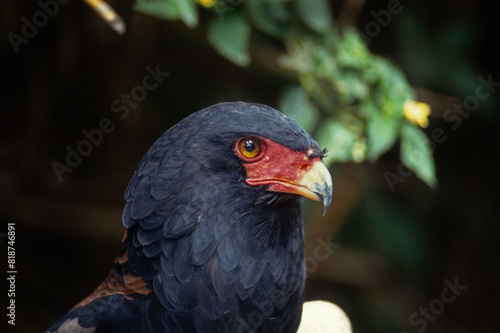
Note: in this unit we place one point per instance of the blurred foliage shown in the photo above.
(352, 100)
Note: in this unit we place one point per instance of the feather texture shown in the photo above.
(204, 251)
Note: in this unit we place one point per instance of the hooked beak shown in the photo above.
(311, 180)
(316, 184)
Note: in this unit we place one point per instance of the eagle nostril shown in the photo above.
(305, 167)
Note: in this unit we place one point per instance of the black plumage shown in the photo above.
(204, 251)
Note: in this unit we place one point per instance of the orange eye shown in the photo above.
(249, 148)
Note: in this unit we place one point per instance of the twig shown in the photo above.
(108, 14)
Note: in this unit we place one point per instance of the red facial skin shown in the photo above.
(280, 168)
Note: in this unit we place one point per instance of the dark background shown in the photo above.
(394, 249)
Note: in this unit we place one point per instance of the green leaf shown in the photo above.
(381, 132)
(185, 10)
(416, 153)
(230, 37)
(338, 139)
(352, 51)
(392, 89)
(315, 14)
(270, 17)
(158, 8)
(295, 103)
(351, 87)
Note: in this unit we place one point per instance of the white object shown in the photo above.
(323, 317)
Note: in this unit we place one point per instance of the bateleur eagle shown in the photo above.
(214, 234)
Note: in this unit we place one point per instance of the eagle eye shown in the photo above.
(250, 149)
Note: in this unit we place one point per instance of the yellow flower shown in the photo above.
(207, 3)
(417, 112)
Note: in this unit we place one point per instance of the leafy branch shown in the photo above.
(358, 104)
